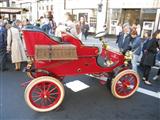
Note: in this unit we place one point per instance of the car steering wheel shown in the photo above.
(100, 34)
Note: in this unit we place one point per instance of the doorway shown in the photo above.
(131, 16)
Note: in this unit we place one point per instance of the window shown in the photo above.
(51, 7)
(47, 7)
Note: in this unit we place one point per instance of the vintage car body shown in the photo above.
(46, 92)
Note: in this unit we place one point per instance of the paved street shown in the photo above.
(94, 103)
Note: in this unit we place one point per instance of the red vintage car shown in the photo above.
(53, 58)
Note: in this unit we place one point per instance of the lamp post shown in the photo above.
(100, 5)
(8, 3)
(101, 13)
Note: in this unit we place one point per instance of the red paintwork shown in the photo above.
(36, 38)
(86, 63)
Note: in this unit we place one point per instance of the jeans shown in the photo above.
(134, 62)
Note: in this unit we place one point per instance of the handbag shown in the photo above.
(142, 59)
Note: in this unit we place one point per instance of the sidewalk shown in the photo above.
(110, 40)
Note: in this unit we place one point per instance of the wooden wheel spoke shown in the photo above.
(45, 102)
(37, 100)
(49, 86)
(126, 91)
(49, 100)
(121, 90)
(38, 88)
(36, 92)
(119, 84)
(52, 89)
(57, 93)
(35, 96)
(53, 97)
(44, 86)
(42, 102)
(131, 79)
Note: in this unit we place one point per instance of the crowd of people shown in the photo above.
(145, 50)
(11, 38)
(78, 28)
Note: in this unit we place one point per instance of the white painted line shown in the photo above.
(149, 92)
(141, 90)
(156, 67)
(77, 86)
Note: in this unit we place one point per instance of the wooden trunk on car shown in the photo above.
(56, 52)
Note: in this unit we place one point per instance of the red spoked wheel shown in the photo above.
(125, 84)
(44, 94)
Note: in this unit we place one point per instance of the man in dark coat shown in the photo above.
(3, 44)
(124, 39)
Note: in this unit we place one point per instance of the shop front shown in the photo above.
(145, 17)
(11, 13)
(136, 12)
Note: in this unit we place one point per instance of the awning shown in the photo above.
(9, 10)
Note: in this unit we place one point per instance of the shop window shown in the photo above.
(149, 14)
(113, 18)
(51, 7)
(83, 15)
(148, 20)
(92, 24)
(131, 16)
(47, 7)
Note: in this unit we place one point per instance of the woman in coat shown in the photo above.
(15, 45)
(149, 56)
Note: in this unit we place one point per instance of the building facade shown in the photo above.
(143, 12)
(97, 13)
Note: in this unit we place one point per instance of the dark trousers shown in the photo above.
(85, 35)
(3, 58)
(158, 72)
(146, 72)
